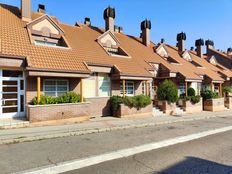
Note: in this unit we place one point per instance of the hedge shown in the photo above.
(139, 101)
(168, 91)
(69, 97)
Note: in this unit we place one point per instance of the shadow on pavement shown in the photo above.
(192, 165)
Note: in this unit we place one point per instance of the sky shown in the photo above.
(207, 19)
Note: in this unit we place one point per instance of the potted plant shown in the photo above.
(167, 94)
(191, 103)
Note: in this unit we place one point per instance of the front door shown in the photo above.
(12, 94)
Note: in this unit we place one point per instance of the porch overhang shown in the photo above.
(130, 77)
(57, 74)
(12, 62)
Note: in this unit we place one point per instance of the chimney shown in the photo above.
(229, 51)
(181, 38)
(146, 30)
(199, 43)
(209, 45)
(41, 8)
(162, 40)
(192, 48)
(109, 16)
(118, 29)
(87, 21)
(26, 10)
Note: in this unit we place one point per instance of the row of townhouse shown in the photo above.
(39, 55)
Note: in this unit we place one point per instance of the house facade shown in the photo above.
(39, 55)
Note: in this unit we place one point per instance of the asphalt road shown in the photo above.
(29, 155)
(209, 155)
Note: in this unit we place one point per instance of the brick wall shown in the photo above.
(214, 105)
(59, 111)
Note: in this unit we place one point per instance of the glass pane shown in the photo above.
(21, 103)
(61, 82)
(9, 82)
(9, 96)
(50, 88)
(7, 73)
(50, 82)
(21, 84)
(9, 110)
(10, 89)
(62, 88)
(50, 93)
(9, 103)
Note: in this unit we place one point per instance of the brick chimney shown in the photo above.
(199, 43)
(109, 16)
(26, 10)
(181, 38)
(41, 8)
(87, 21)
(209, 45)
(146, 32)
(229, 52)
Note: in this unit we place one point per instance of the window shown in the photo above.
(45, 43)
(181, 89)
(129, 88)
(115, 51)
(98, 85)
(55, 87)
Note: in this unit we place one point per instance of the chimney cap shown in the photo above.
(146, 24)
(87, 19)
(192, 48)
(199, 42)
(181, 36)
(209, 43)
(229, 49)
(109, 12)
(41, 6)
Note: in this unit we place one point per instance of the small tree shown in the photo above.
(191, 92)
(208, 94)
(168, 91)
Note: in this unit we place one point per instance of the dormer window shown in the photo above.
(196, 64)
(46, 32)
(111, 44)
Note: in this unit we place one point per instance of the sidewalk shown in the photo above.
(96, 125)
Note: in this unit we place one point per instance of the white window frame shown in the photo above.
(56, 80)
(126, 88)
(108, 81)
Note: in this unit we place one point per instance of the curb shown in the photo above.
(22, 139)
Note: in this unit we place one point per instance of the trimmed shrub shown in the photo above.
(191, 92)
(168, 91)
(208, 94)
(195, 99)
(69, 97)
(139, 101)
(227, 90)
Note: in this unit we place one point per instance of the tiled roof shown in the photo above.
(82, 40)
(190, 68)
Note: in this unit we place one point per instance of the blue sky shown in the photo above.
(208, 19)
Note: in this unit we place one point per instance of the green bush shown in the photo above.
(168, 91)
(139, 101)
(69, 97)
(191, 92)
(227, 90)
(195, 99)
(208, 94)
